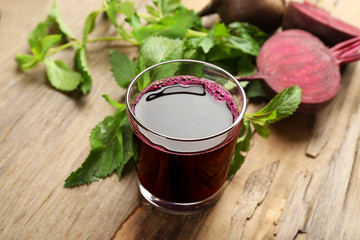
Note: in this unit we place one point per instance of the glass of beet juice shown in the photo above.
(186, 116)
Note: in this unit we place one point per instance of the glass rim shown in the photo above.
(228, 129)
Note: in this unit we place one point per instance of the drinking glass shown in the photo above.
(183, 174)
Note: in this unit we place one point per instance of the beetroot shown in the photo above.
(296, 57)
(265, 14)
(309, 17)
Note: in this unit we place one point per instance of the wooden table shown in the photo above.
(281, 192)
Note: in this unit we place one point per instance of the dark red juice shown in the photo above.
(189, 108)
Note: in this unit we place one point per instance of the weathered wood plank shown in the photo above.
(294, 214)
(325, 218)
(256, 188)
(151, 223)
(44, 136)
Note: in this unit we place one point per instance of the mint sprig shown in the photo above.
(170, 32)
(281, 106)
(111, 139)
(167, 19)
(111, 149)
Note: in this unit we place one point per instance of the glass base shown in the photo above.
(180, 208)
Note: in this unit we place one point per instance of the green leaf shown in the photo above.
(262, 129)
(144, 80)
(244, 45)
(284, 104)
(127, 8)
(248, 31)
(127, 134)
(172, 26)
(61, 76)
(152, 11)
(113, 7)
(194, 53)
(220, 30)
(206, 43)
(108, 150)
(255, 90)
(245, 37)
(26, 61)
(55, 15)
(242, 145)
(243, 141)
(81, 65)
(236, 162)
(246, 65)
(36, 36)
(134, 21)
(89, 25)
(281, 106)
(167, 7)
(158, 49)
(43, 46)
(114, 103)
(122, 68)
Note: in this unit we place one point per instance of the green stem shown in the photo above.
(148, 17)
(99, 39)
(62, 47)
(113, 38)
(193, 34)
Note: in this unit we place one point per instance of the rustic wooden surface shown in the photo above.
(301, 183)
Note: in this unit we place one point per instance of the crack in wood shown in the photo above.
(255, 190)
(293, 215)
(325, 217)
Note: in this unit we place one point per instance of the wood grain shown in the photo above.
(301, 183)
(256, 188)
(294, 214)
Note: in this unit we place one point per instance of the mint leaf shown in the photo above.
(247, 31)
(262, 129)
(56, 17)
(89, 25)
(122, 68)
(127, 141)
(206, 43)
(127, 8)
(242, 145)
(134, 21)
(172, 26)
(152, 11)
(245, 37)
(43, 46)
(167, 6)
(36, 36)
(61, 76)
(81, 65)
(283, 104)
(144, 79)
(114, 103)
(112, 8)
(26, 61)
(158, 49)
(108, 150)
(255, 90)
(245, 66)
(220, 30)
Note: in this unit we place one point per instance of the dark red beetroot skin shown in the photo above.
(309, 17)
(296, 57)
